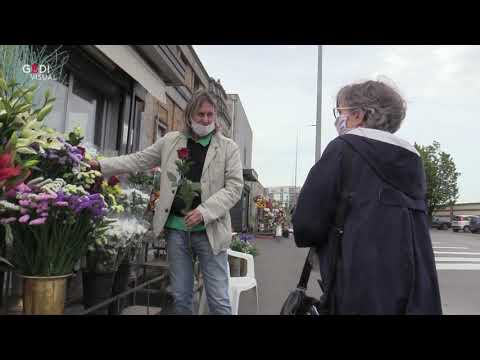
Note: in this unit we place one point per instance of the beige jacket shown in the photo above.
(221, 181)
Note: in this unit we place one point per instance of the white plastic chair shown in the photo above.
(237, 284)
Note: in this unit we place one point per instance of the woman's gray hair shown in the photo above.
(383, 106)
(194, 104)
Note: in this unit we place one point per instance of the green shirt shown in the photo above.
(177, 222)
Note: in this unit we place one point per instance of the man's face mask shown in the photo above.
(202, 130)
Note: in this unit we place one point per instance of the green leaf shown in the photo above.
(44, 112)
(30, 163)
(12, 143)
(196, 187)
(26, 151)
(3, 84)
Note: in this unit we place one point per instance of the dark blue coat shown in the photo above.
(387, 264)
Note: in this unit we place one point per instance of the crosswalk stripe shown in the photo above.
(454, 266)
(456, 259)
(451, 247)
(455, 253)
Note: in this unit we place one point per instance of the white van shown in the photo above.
(461, 222)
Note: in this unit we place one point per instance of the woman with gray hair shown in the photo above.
(384, 263)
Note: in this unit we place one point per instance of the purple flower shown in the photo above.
(39, 221)
(8, 220)
(24, 219)
(44, 214)
(23, 211)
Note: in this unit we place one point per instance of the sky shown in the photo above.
(278, 89)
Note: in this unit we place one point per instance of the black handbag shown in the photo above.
(297, 302)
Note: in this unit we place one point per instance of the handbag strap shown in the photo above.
(340, 216)
(305, 276)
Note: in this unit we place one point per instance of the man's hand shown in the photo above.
(193, 218)
(94, 164)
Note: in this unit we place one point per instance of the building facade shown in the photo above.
(244, 213)
(223, 114)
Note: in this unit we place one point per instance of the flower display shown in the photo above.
(244, 247)
(118, 243)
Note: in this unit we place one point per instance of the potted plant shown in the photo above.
(113, 244)
(237, 267)
(52, 225)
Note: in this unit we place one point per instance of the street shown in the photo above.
(279, 263)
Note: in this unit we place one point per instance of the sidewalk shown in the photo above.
(277, 269)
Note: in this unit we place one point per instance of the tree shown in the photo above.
(441, 177)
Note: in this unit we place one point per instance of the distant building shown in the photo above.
(458, 209)
(285, 195)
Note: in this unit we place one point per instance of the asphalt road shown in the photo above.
(280, 262)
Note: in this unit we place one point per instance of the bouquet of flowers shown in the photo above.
(187, 189)
(55, 216)
(52, 225)
(119, 243)
(135, 202)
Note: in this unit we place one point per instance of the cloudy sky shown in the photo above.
(278, 84)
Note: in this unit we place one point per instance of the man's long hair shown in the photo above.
(194, 104)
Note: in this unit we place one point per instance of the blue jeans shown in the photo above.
(214, 269)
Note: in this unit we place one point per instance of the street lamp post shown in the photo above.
(318, 138)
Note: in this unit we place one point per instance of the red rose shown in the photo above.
(183, 153)
(113, 181)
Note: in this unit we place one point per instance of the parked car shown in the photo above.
(441, 223)
(461, 222)
(475, 224)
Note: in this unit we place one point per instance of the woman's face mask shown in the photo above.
(341, 124)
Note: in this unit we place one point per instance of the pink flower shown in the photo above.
(8, 220)
(39, 221)
(24, 219)
(23, 211)
(24, 202)
(61, 204)
(45, 197)
(44, 214)
(22, 188)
